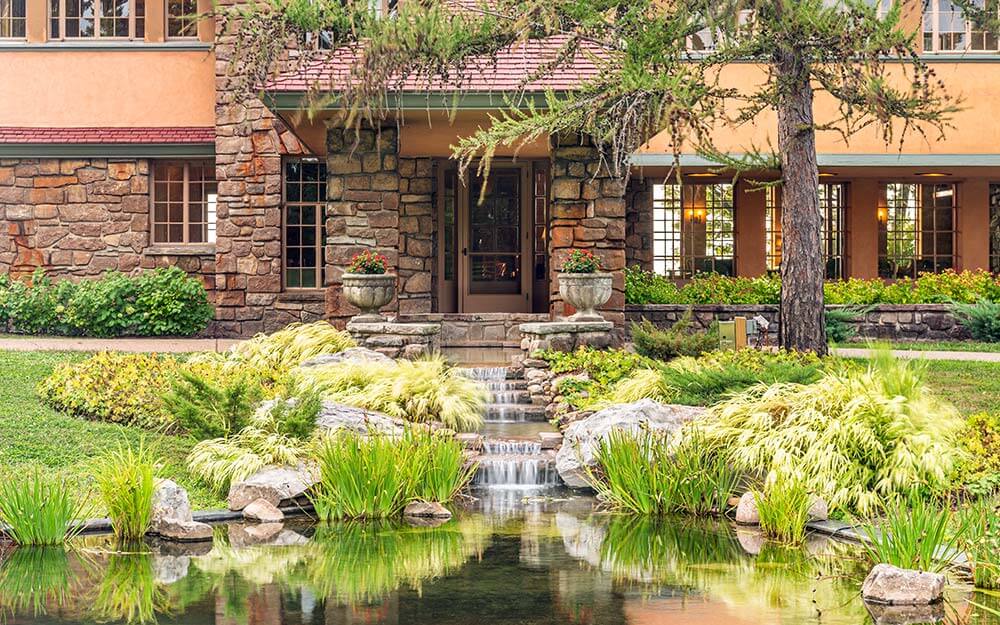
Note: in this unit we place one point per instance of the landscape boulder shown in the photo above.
(263, 512)
(580, 440)
(746, 510)
(274, 485)
(890, 585)
(333, 417)
(426, 510)
(349, 355)
(172, 518)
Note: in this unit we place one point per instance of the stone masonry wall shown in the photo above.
(82, 217)
(892, 322)
(417, 266)
(587, 212)
(639, 223)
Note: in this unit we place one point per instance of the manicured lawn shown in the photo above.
(941, 346)
(35, 436)
(971, 386)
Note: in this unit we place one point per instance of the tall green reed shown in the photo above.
(783, 506)
(916, 534)
(38, 509)
(125, 482)
(982, 543)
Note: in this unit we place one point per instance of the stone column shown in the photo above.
(416, 235)
(362, 209)
(639, 223)
(588, 212)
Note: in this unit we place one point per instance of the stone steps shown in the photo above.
(514, 413)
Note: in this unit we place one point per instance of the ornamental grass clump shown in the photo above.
(783, 505)
(125, 480)
(271, 357)
(860, 437)
(913, 533)
(981, 542)
(419, 391)
(654, 473)
(38, 509)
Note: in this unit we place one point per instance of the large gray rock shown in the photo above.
(273, 485)
(172, 518)
(335, 417)
(263, 512)
(890, 585)
(746, 510)
(351, 355)
(580, 440)
(184, 531)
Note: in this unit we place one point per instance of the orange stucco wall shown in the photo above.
(73, 88)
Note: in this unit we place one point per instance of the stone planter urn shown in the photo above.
(585, 292)
(369, 292)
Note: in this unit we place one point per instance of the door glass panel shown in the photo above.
(494, 235)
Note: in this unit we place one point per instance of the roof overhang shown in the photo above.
(420, 101)
(107, 150)
(839, 160)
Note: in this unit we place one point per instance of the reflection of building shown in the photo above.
(119, 167)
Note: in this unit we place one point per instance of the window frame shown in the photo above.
(8, 22)
(883, 217)
(687, 264)
(994, 227)
(320, 205)
(167, 19)
(211, 213)
(59, 18)
(830, 238)
(933, 14)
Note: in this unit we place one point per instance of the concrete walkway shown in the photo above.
(855, 352)
(79, 344)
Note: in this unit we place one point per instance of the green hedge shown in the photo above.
(642, 287)
(162, 302)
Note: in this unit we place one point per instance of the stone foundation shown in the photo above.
(908, 322)
(397, 340)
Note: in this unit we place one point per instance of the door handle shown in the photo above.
(465, 251)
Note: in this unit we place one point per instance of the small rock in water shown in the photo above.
(426, 509)
(890, 585)
(746, 510)
(906, 614)
(273, 484)
(172, 517)
(263, 511)
(550, 440)
(184, 531)
(752, 540)
(818, 510)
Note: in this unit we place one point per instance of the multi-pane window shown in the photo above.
(304, 232)
(109, 19)
(181, 20)
(832, 207)
(12, 19)
(184, 202)
(693, 229)
(995, 228)
(948, 29)
(916, 228)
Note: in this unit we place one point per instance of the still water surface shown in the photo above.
(505, 560)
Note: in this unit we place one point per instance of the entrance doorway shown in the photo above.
(486, 252)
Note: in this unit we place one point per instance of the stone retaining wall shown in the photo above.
(907, 322)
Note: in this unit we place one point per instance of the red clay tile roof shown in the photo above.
(106, 135)
(482, 75)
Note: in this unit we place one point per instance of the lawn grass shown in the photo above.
(941, 346)
(972, 386)
(33, 435)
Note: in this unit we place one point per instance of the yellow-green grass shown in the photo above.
(33, 435)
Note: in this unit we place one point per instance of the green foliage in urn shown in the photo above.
(368, 263)
(581, 261)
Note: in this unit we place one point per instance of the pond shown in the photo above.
(548, 558)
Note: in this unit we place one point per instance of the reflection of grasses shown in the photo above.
(354, 563)
(33, 577)
(128, 590)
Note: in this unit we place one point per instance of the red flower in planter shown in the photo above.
(368, 263)
(581, 261)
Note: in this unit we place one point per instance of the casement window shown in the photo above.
(100, 19)
(947, 29)
(693, 229)
(995, 228)
(916, 228)
(832, 207)
(181, 20)
(12, 19)
(303, 224)
(184, 202)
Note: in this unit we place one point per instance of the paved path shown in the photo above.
(854, 352)
(78, 344)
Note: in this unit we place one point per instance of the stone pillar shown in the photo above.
(588, 212)
(416, 235)
(973, 225)
(639, 223)
(362, 209)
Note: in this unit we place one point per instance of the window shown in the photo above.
(12, 19)
(693, 229)
(995, 228)
(832, 207)
(109, 19)
(916, 229)
(184, 201)
(181, 20)
(304, 227)
(946, 29)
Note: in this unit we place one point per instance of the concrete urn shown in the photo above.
(369, 292)
(585, 292)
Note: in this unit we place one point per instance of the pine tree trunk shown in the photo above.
(802, 314)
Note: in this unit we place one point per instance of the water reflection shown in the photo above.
(532, 560)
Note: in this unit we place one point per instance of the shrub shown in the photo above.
(125, 483)
(783, 506)
(374, 477)
(980, 470)
(113, 387)
(207, 409)
(650, 473)
(679, 340)
(860, 437)
(599, 370)
(646, 287)
(161, 302)
(419, 391)
(915, 534)
(270, 358)
(840, 323)
(39, 509)
(981, 319)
